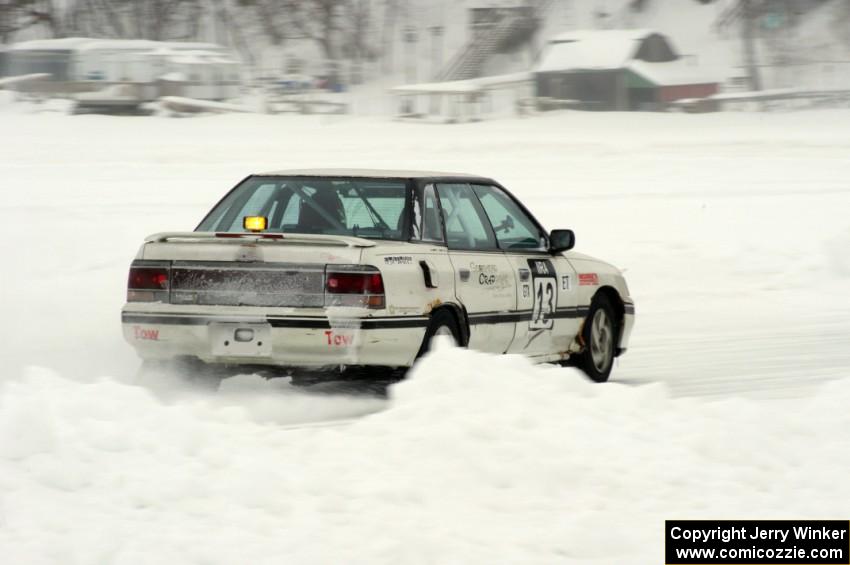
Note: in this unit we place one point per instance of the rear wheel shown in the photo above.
(442, 324)
(599, 338)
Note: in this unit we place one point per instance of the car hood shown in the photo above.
(584, 258)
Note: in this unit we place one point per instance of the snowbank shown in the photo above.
(838, 249)
(732, 229)
(476, 459)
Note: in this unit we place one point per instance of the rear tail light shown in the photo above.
(148, 282)
(354, 285)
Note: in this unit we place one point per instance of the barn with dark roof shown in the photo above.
(618, 70)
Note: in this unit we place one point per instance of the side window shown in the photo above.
(388, 209)
(514, 229)
(466, 223)
(428, 226)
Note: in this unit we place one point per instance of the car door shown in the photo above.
(484, 279)
(546, 286)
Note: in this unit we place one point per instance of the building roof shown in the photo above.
(448, 87)
(366, 173)
(466, 86)
(198, 57)
(604, 49)
(607, 34)
(62, 44)
(671, 73)
(90, 44)
(117, 45)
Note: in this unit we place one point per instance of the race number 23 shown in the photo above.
(545, 287)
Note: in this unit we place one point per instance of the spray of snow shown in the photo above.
(475, 458)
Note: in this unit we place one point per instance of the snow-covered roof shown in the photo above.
(496, 81)
(117, 45)
(174, 77)
(366, 173)
(82, 44)
(65, 43)
(448, 87)
(192, 46)
(197, 57)
(467, 86)
(610, 35)
(591, 49)
(671, 72)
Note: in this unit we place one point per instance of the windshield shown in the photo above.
(373, 209)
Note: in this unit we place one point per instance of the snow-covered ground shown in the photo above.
(731, 402)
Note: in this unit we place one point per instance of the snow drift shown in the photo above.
(475, 459)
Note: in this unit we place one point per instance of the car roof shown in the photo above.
(371, 173)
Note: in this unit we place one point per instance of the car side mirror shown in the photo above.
(561, 240)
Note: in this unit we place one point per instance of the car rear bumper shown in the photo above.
(284, 340)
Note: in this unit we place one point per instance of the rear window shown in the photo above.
(373, 209)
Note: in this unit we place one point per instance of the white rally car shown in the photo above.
(361, 268)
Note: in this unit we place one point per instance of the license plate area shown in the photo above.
(238, 339)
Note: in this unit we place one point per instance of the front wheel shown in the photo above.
(599, 336)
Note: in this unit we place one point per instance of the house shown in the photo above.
(618, 70)
(94, 71)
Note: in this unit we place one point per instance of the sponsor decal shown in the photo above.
(565, 282)
(145, 333)
(588, 279)
(398, 260)
(541, 268)
(338, 340)
(489, 269)
(487, 274)
(486, 280)
(526, 291)
(184, 297)
(545, 299)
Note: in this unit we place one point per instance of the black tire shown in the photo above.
(442, 322)
(600, 336)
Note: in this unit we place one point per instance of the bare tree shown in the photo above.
(358, 29)
(103, 18)
(150, 19)
(11, 19)
(317, 20)
(841, 22)
(271, 15)
(388, 33)
(223, 22)
(18, 15)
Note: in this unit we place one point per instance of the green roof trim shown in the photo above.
(634, 80)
